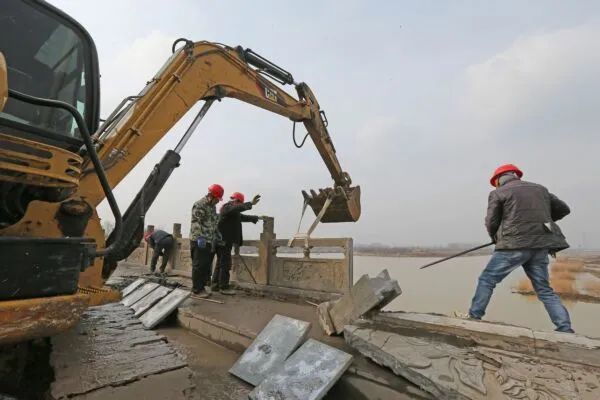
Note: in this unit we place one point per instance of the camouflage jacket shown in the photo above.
(205, 221)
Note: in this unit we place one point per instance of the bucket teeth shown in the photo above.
(344, 207)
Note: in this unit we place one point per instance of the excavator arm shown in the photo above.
(209, 71)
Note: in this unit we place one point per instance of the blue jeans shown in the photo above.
(535, 264)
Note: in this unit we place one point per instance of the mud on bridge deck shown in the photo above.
(110, 355)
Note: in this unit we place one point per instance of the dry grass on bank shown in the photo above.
(563, 274)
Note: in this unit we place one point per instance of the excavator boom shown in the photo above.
(208, 71)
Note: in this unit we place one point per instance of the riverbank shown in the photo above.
(572, 278)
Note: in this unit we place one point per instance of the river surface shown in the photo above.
(449, 287)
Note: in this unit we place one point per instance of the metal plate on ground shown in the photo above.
(134, 285)
(308, 374)
(163, 308)
(138, 294)
(272, 346)
(148, 301)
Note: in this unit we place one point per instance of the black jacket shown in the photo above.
(157, 236)
(522, 215)
(231, 218)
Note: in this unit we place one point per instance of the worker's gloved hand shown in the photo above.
(256, 199)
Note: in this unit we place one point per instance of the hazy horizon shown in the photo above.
(424, 100)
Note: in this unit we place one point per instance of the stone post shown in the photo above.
(176, 230)
(265, 253)
(175, 258)
(147, 255)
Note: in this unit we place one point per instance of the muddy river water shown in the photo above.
(449, 287)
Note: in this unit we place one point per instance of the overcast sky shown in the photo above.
(424, 100)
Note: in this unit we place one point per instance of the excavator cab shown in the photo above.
(49, 102)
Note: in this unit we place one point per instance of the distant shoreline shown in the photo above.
(409, 254)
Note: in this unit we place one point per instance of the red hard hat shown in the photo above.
(216, 190)
(503, 169)
(237, 196)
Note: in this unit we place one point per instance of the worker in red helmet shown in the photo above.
(230, 227)
(204, 234)
(521, 220)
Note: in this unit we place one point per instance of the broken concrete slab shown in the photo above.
(452, 372)
(148, 301)
(163, 308)
(108, 349)
(132, 286)
(367, 294)
(308, 374)
(138, 294)
(267, 353)
(325, 318)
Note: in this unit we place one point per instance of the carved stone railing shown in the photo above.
(265, 265)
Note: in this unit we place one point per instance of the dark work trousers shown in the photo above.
(221, 275)
(162, 248)
(201, 265)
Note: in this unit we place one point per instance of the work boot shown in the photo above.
(228, 292)
(201, 294)
(462, 315)
(214, 287)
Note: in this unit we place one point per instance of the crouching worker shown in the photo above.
(230, 227)
(162, 245)
(204, 233)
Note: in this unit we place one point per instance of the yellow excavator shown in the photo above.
(58, 162)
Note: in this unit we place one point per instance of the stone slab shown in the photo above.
(267, 353)
(308, 374)
(451, 372)
(559, 346)
(148, 301)
(325, 319)
(367, 294)
(163, 308)
(500, 336)
(132, 286)
(138, 294)
(109, 348)
(568, 346)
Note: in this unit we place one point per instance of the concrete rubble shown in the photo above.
(366, 295)
(308, 374)
(474, 372)
(267, 353)
(325, 321)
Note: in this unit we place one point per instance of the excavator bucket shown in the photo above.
(343, 204)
